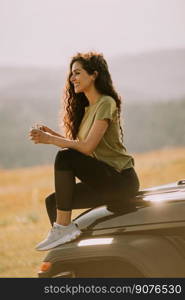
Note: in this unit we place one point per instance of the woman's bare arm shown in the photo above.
(87, 146)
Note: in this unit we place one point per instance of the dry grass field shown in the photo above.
(24, 222)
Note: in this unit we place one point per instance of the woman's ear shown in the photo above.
(95, 75)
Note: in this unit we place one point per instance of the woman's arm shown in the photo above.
(87, 146)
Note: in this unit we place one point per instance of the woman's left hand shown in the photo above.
(40, 137)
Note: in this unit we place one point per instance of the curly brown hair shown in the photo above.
(75, 103)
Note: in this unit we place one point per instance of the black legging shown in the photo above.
(100, 183)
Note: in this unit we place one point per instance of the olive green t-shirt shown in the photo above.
(110, 149)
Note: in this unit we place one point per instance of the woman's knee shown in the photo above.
(64, 158)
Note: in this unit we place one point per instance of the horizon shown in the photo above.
(111, 58)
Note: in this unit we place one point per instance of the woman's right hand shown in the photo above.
(42, 127)
(46, 129)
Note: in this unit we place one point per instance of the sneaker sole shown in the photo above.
(60, 242)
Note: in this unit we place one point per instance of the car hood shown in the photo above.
(103, 218)
(160, 204)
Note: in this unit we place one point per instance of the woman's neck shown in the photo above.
(92, 95)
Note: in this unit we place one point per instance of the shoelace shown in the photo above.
(58, 228)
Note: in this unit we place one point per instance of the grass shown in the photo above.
(24, 221)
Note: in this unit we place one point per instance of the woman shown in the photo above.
(93, 149)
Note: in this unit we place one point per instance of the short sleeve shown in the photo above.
(106, 109)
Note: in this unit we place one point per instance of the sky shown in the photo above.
(48, 32)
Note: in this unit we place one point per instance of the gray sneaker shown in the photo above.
(59, 235)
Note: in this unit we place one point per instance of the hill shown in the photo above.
(150, 76)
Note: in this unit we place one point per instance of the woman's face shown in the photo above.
(81, 80)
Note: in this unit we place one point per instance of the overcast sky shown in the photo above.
(49, 32)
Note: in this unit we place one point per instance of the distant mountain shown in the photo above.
(153, 76)
(152, 86)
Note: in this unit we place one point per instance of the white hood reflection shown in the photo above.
(99, 241)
